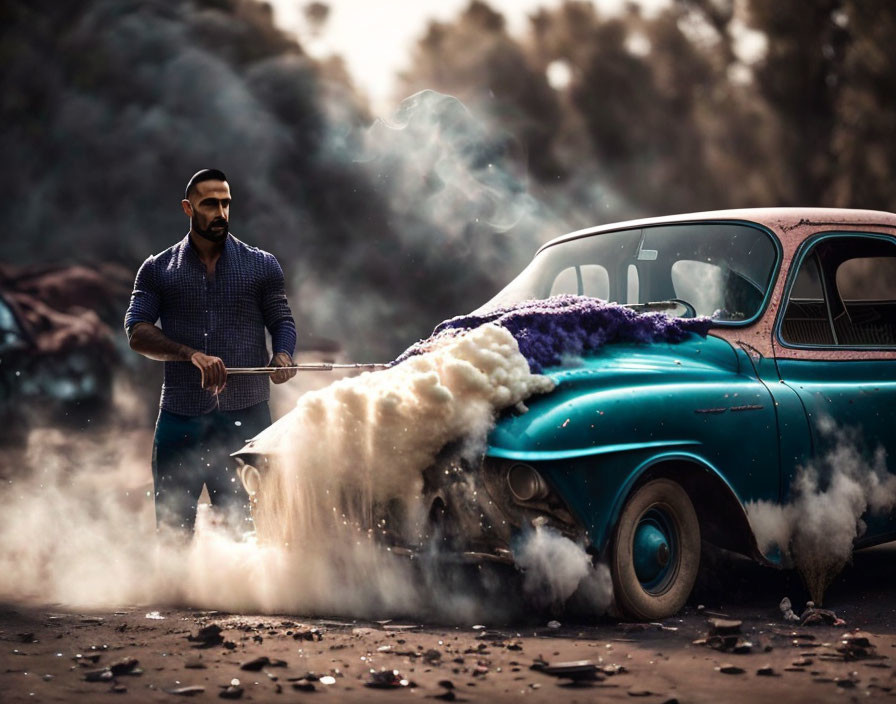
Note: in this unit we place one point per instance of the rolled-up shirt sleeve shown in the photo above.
(145, 298)
(275, 309)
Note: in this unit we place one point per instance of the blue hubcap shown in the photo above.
(653, 549)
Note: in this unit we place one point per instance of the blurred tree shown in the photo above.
(863, 144)
(800, 77)
(828, 76)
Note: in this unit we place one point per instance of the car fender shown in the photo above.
(670, 465)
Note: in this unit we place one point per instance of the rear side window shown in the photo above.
(867, 279)
(844, 295)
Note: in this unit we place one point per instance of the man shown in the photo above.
(214, 296)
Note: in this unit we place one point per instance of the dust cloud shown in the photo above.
(77, 527)
(555, 568)
(816, 529)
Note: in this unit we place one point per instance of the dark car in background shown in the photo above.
(57, 356)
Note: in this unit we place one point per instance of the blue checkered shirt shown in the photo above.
(224, 316)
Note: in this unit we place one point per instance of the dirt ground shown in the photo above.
(49, 653)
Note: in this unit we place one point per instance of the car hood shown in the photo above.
(590, 387)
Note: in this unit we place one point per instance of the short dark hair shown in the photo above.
(203, 175)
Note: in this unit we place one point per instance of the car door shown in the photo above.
(835, 345)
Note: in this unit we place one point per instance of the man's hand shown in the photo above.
(214, 373)
(282, 359)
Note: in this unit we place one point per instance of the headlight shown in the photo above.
(525, 483)
(250, 477)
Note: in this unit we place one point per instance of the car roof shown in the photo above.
(777, 219)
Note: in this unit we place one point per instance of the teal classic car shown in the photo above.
(643, 451)
(650, 445)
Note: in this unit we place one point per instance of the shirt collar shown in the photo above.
(188, 245)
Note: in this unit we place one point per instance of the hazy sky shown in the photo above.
(374, 36)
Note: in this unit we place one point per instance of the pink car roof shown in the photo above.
(780, 220)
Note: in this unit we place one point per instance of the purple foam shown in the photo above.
(563, 326)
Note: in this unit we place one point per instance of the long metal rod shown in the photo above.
(313, 367)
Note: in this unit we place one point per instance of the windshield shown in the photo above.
(721, 270)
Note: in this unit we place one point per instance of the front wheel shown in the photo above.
(655, 552)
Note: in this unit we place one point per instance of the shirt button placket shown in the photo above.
(208, 307)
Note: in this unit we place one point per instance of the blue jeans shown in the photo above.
(189, 451)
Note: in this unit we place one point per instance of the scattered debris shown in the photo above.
(723, 627)
(857, 646)
(387, 679)
(231, 692)
(813, 616)
(725, 635)
(103, 675)
(303, 685)
(787, 611)
(261, 661)
(208, 637)
(87, 660)
(728, 669)
(125, 666)
(308, 633)
(492, 636)
(767, 671)
(538, 664)
(576, 670)
(188, 691)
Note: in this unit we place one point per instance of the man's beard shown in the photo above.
(211, 234)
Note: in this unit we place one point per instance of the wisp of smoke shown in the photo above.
(555, 568)
(815, 531)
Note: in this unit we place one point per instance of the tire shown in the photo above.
(655, 552)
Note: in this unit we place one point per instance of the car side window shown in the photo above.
(806, 320)
(844, 295)
(867, 287)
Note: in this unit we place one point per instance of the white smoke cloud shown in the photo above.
(555, 568)
(816, 529)
(77, 528)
